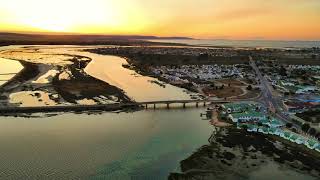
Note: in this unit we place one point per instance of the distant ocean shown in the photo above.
(243, 43)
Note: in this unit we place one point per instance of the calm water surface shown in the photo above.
(8, 69)
(140, 144)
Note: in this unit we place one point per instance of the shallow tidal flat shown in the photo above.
(53, 78)
(67, 75)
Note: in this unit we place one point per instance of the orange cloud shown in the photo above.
(244, 13)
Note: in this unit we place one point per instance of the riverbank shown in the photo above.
(215, 121)
(165, 64)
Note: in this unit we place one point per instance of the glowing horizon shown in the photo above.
(228, 19)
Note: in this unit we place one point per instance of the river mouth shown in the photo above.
(70, 75)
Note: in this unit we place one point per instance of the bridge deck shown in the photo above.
(182, 101)
(103, 107)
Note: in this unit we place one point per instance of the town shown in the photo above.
(284, 84)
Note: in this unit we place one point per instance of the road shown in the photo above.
(268, 98)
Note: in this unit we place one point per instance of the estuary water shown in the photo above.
(110, 70)
(107, 146)
(8, 69)
(138, 87)
(148, 144)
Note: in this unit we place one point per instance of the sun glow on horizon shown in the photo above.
(235, 19)
(63, 15)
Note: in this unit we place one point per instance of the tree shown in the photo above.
(289, 125)
(294, 130)
(203, 56)
(283, 71)
(318, 136)
(305, 127)
(245, 127)
(249, 88)
(312, 131)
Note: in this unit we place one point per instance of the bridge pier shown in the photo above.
(154, 106)
(204, 104)
(184, 105)
(197, 104)
(146, 106)
(168, 106)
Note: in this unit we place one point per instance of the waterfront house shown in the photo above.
(311, 144)
(250, 116)
(238, 107)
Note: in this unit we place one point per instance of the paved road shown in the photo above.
(268, 98)
(265, 88)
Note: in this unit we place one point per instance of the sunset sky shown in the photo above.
(233, 19)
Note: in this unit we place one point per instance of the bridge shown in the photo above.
(182, 102)
(105, 107)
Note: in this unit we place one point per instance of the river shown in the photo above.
(110, 69)
(8, 68)
(68, 146)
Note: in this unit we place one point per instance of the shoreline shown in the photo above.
(232, 152)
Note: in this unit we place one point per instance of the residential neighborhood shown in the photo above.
(253, 118)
